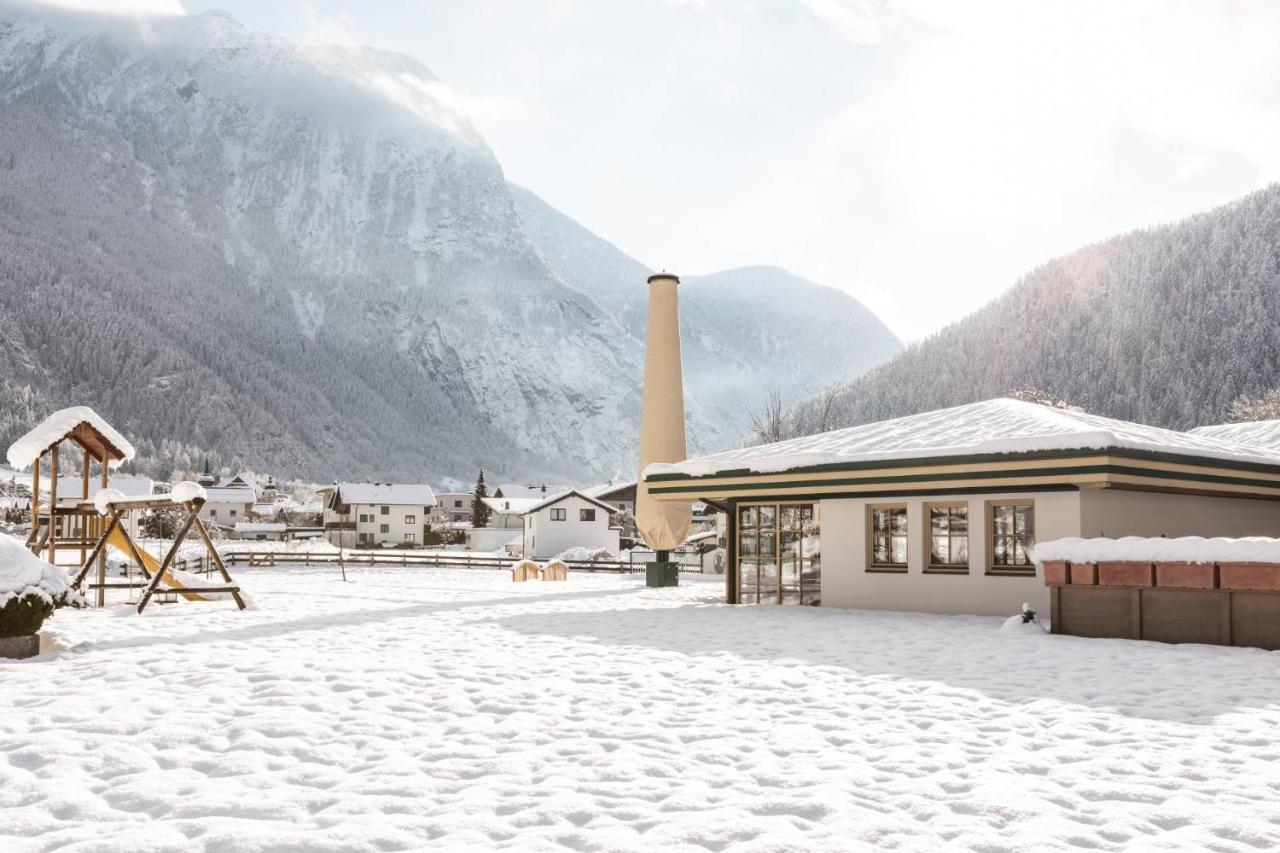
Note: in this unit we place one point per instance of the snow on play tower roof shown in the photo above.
(63, 424)
(994, 426)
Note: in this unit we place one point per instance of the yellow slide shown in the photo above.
(117, 540)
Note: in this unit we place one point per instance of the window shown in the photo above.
(779, 554)
(363, 537)
(386, 510)
(557, 513)
(887, 538)
(408, 537)
(1013, 530)
(947, 538)
(233, 513)
(457, 504)
(213, 513)
(409, 519)
(386, 528)
(586, 515)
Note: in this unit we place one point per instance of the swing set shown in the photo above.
(100, 521)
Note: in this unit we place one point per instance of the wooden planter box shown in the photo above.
(1187, 575)
(1265, 576)
(18, 648)
(1126, 574)
(1057, 572)
(1085, 574)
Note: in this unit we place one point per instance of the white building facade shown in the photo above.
(378, 514)
(568, 520)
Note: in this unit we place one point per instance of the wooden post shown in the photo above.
(53, 504)
(97, 550)
(35, 503)
(84, 519)
(102, 557)
(168, 560)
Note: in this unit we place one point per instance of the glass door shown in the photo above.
(779, 554)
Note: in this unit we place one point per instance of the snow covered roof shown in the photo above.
(25, 451)
(395, 494)
(990, 427)
(1263, 434)
(1182, 549)
(604, 489)
(555, 499)
(508, 506)
(132, 487)
(241, 493)
(515, 490)
(260, 527)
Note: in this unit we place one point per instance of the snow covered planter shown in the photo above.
(1183, 590)
(30, 590)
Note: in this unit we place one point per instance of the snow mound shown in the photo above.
(1183, 549)
(1015, 625)
(184, 492)
(27, 449)
(23, 573)
(584, 554)
(103, 499)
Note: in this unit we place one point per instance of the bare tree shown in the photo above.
(770, 425)
(1043, 396)
(1265, 407)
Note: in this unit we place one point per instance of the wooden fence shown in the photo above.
(407, 559)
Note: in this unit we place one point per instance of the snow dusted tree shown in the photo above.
(1265, 407)
(1043, 396)
(480, 509)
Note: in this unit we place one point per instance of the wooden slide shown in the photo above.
(121, 543)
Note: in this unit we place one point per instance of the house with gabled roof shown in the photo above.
(940, 511)
(378, 514)
(568, 520)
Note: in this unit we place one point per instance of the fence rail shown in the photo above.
(391, 558)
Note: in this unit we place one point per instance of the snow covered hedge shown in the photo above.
(30, 589)
(1183, 549)
(587, 555)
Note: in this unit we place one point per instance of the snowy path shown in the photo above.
(412, 709)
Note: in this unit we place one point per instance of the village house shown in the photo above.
(230, 500)
(261, 531)
(940, 511)
(568, 520)
(369, 514)
(453, 507)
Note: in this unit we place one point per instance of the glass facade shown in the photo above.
(779, 554)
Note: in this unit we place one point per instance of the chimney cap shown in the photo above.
(663, 275)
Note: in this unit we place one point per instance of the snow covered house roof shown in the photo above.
(999, 426)
(511, 506)
(393, 494)
(260, 527)
(625, 490)
(91, 429)
(130, 487)
(555, 499)
(240, 493)
(1263, 434)
(515, 490)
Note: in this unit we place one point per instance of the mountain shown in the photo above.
(744, 332)
(296, 258)
(1164, 326)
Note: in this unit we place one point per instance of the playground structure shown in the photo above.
(89, 526)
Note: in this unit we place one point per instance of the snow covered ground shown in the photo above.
(431, 708)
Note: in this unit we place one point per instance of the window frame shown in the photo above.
(587, 513)
(558, 513)
(869, 532)
(989, 538)
(932, 568)
(410, 519)
(384, 529)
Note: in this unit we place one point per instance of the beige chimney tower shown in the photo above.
(663, 525)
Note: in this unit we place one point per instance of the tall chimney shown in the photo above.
(663, 525)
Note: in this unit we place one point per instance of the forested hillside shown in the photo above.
(1164, 326)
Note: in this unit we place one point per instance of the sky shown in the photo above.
(919, 154)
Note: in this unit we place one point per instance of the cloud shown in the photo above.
(119, 7)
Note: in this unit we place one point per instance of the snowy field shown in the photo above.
(453, 709)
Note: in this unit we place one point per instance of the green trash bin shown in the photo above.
(662, 573)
